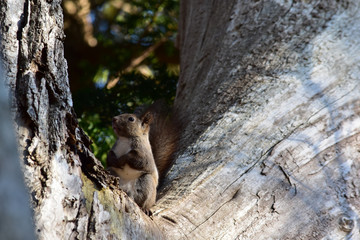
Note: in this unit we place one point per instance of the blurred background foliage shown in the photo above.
(121, 54)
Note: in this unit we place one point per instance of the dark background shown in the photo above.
(121, 54)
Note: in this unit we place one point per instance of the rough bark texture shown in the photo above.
(72, 196)
(270, 96)
(15, 221)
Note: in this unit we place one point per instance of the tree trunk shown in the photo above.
(15, 221)
(71, 194)
(269, 95)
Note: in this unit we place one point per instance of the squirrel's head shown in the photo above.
(131, 125)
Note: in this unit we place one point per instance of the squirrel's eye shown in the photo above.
(131, 119)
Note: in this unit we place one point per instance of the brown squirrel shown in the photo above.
(143, 152)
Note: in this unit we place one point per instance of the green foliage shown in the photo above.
(124, 31)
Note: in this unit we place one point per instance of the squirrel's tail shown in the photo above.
(164, 137)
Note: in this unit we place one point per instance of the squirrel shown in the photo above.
(143, 152)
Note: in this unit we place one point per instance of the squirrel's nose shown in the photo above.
(114, 119)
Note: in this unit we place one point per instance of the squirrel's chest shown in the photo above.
(126, 173)
(122, 146)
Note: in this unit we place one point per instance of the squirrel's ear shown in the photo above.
(146, 118)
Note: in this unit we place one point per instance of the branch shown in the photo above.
(136, 61)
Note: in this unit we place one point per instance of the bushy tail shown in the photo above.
(164, 137)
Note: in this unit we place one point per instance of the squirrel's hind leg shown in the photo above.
(145, 192)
